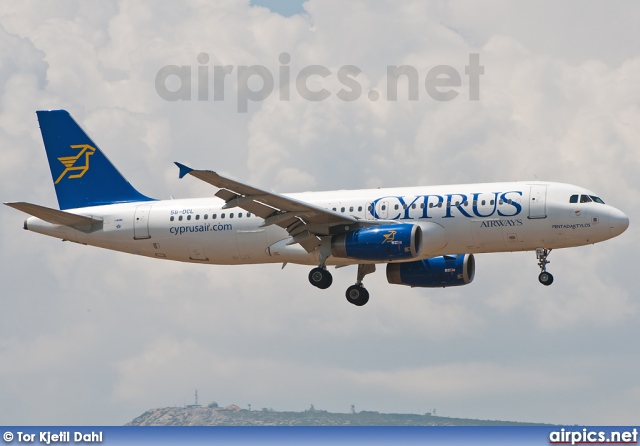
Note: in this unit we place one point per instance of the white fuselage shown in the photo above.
(455, 219)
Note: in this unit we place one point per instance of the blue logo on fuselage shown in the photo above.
(430, 203)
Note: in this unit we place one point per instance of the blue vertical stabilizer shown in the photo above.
(82, 175)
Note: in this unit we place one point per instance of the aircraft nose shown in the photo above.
(618, 222)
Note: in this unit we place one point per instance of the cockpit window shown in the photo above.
(573, 199)
(597, 199)
(585, 199)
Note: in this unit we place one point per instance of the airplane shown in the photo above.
(426, 236)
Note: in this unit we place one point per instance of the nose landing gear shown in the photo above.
(544, 278)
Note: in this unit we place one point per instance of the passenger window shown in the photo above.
(248, 214)
(466, 203)
(421, 205)
(440, 204)
(396, 207)
(430, 205)
(222, 215)
(239, 214)
(573, 199)
(180, 218)
(509, 201)
(188, 217)
(231, 215)
(413, 206)
(206, 216)
(475, 202)
(384, 207)
(491, 202)
(369, 208)
(197, 216)
(457, 203)
(171, 219)
(351, 209)
(585, 199)
(214, 216)
(341, 209)
(359, 208)
(484, 202)
(404, 206)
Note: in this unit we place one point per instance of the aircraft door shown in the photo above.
(141, 222)
(196, 252)
(251, 244)
(382, 209)
(368, 212)
(537, 202)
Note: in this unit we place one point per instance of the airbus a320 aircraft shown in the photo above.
(426, 236)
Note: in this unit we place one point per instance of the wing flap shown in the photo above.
(245, 194)
(245, 203)
(305, 222)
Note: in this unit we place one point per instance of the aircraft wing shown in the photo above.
(56, 217)
(305, 222)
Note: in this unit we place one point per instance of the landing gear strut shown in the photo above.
(319, 277)
(358, 294)
(544, 278)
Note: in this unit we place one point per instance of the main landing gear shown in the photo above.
(545, 278)
(321, 278)
(356, 294)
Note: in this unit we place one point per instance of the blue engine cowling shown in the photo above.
(443, 271)
(384, 243)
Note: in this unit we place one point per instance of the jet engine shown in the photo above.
(443, 271)
(379, 243)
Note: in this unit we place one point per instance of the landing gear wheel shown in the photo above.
(545, 278)
(357, 295)
(320, 278)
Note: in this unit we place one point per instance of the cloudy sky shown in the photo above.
(89, 336)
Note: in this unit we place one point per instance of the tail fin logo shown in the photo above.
(73, 163)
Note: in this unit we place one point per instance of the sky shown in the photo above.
(90, 336)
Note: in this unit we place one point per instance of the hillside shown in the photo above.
(234, 416)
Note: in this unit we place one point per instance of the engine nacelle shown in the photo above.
(384, 243)
(443, 271)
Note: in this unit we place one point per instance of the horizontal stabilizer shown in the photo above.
(56, 217)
